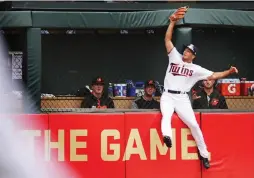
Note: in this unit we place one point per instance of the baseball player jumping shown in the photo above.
(180, 77)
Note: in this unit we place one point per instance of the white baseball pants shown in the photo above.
(180, 103)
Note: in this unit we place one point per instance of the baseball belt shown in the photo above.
(175, 92)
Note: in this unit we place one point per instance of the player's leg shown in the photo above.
(167, 109)
(185, 112)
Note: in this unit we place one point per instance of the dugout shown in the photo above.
(52, 56)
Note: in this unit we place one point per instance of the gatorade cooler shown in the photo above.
(229, 87)
(120, 90)
(140, 88)
(131, 89)
(246, 86)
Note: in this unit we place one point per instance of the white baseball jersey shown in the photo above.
(182, 76)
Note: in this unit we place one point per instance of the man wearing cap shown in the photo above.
(97, 99)
(147, 101)
(181, 75)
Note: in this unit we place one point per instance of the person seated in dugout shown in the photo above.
(208, 97)
(147, 101)
(97, 98)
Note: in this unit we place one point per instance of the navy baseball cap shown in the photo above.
(150, 83)
(192, 48)
(98, 80)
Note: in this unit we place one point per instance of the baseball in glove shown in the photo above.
(179, 13)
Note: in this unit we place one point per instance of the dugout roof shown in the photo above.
(141, 19)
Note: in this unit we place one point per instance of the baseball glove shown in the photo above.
(179, 13)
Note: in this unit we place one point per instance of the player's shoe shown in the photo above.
(205, 161)
(167, 141)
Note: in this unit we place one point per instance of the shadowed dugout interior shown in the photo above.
(70, 61)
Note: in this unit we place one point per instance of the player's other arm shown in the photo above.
(219, 75)
(168, 36)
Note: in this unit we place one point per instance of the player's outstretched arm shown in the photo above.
(179, 14)
(219, 75)
(168, 37)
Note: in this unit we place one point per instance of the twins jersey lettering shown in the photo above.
(176, 69)
(181, 76)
